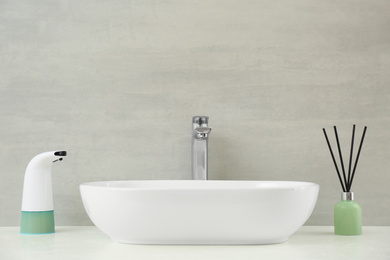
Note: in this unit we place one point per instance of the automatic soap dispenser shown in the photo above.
(37, 205)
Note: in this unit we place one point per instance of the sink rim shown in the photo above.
(198, 185)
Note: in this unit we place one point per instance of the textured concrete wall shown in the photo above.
(115, 83)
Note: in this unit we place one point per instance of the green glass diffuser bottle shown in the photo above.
(347, 216)
(347, 212)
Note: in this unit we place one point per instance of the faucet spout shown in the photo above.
(202, 133)
(200, 138)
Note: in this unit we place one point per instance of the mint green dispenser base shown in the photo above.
(37, 222)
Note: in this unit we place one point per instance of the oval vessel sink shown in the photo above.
(199, 212)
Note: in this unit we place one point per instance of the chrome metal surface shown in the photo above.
(200, 139)
(347, 195)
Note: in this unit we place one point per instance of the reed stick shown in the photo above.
(334, 160)
(341, 156)
(350, 159)
(358, 154)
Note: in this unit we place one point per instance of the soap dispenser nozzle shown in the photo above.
(37, 204)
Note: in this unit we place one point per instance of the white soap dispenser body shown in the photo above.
(37, 204)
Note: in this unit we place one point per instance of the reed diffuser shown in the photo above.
(347, 212)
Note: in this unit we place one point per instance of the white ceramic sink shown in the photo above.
(199, 212)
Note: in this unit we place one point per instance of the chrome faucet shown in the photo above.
(200, 139)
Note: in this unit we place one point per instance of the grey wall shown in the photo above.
(116, 84)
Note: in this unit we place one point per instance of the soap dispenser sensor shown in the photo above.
(37, 204)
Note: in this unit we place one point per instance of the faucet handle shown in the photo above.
(201, 121)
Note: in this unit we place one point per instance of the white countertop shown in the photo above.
(90, 243)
